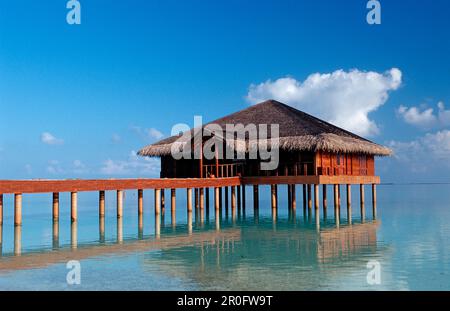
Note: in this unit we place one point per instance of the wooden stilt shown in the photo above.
(220, 198)
(293, 198)
(255, 197)
(304, 197)
(119, 230)
(339, 197)
(74, 235)
(336, 198)
(74, 206)
(207, 198)
(324, 199)
(173, 205)
(374, 201)
(226, 198)
(233, 201)
(119, 203)
(202, 199)
(289, 196)
(101, 227)
(17, 240)
(163, 201)
(239, 197)
(55, 234)
(189, 199)
(274, 196)
(243, 196)
(101, 203)
(309, 198)
(55, 206)
(157, 202)
(349, 203)
(18, 209)
(361, 199)
(140, 202)
(216, 198)
(1, 209)
(316, 197)
(196, 196)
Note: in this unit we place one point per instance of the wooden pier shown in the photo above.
(55, 187)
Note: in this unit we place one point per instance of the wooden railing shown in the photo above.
(224, 170)
(338, 171)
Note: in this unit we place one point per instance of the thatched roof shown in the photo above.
(298, 131)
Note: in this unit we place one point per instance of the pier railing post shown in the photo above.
(18, 209)
(73, 206)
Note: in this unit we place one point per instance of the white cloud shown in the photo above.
(79, 167)
(424, 152)
(425, 118)
(147, 133)
(134, 165)
(342, 98)
(49, 139)
(54, 167)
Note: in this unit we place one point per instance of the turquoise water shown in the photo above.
(409, 240)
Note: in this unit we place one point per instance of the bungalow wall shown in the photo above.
(344, 164)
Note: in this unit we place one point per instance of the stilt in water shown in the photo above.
(18, 209)
(293, 198)
(316, 197)
(336, 203)
(349, 204)
(101, 203)
(119, 203)
(274, 197)
(361, 198)
(55, 234)
(324, 201)
(255, 198)
(374, 201)
(189, 199)
(163, 202)
(17, 240)
(243, 196)
(73, 206)
(101, 229)
(1, 210)
(140, 202)
(55, 207)
(158, 202)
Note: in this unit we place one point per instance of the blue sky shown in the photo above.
(77, 100)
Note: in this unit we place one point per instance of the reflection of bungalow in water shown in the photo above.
(285, 248)
(307, 146)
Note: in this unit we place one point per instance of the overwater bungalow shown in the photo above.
(307, 146)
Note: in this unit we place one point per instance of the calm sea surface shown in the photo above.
(410, 240)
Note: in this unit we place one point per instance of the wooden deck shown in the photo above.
(84, 185)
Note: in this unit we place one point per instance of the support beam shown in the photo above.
(226, 198)
(361, 199)
(274, 196)
(309, 198)
(349, 204)
(173, 205)
(202, 199)
(324, 200)
(216, 199)
(119, 203)
(1, 209)
(289, 196)
(74, 206)
(316, 197)
(255, 197)
(55, 206)
(220, 198)
(293, 198)
(140, 202)
(189, 199)
(233, 201)
(239, 197)
(101, 203)
(243, 196)
(157, 202)
(18, 209)
(196, 196)
(304, 197)
(336, 197)
(374, 201)
(163, 201)
(207, 198)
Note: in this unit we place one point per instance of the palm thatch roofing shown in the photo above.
(298, 131)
